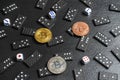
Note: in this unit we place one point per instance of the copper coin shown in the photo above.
(80, 28)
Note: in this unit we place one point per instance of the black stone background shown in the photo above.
(27, 8)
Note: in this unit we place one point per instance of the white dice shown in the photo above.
(52, 15)
(6, 22)
(88, 11)
(19, 57)
(85, 60)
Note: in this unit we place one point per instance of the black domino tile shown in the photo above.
(19, 22)
(69, 31)
(114, 7)
(32, 59)
(20, 44)
(79, 74)
(68, 56)
(22, 76)
(103, 60)
(107, 76)
(88, 3)
(101, 20)
(59, 5)
(103, 75)
(71, 14)
(2, 34)
(102, 38)
(56, 40)
(43, 72)
(116, 52)
(41, 4)
(28, 31)
(10, 8)
(115, 31)
(83, 43)
(4, 65)
(46, 22)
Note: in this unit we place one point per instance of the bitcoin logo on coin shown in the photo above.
(57, 65)
(80, 28)
(43, 35)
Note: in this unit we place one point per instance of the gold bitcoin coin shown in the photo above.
(43, 35)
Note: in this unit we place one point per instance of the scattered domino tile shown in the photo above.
(21, 44)
(68, 56)
(107, 76)
(9, 8)
(2, 34)
(101, 21)
(114, 7)
(46, 22)
(115, 31)
(28, 31)
(102, 59)
(72, 12)
(103, 39)
(22, 76)
(79, 74)
(43, 72)
(59, 5)
(31, 60)
(56, 40)
(83, 43)
(19, 22)
(116, 52)
(70, 31)
(41, 4)
(88, 3)
(6, 64)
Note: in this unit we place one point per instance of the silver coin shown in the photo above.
(57, 65)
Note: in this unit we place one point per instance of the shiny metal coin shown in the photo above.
(80, 29)
(43, 35)
(57, 65)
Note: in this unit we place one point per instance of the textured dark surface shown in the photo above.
(27, 8)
